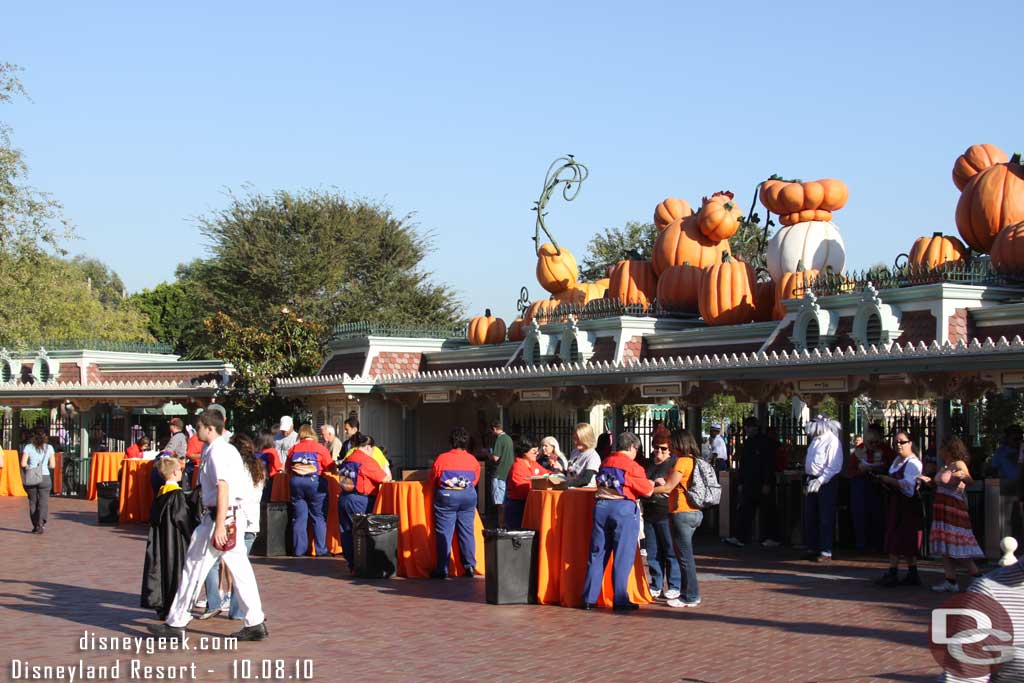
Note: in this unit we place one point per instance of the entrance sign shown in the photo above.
(821, 386)
(661, 390)
(437, 397)
(534, 394)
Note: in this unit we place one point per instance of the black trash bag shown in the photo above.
(375, 544)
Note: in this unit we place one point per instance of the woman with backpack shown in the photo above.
(684, 517)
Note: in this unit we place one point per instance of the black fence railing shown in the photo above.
(91, 344)
(357, 330)
(977, 271)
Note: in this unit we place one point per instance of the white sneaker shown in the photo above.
(201, 603)
(946, 587)
(643, 552)
(732, 540)
(671, 594)
(680, 603)
(655, 594)
(769, 543)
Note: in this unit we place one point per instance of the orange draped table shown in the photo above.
(103, 467)
(58, 472)
(413, 502)
(136, 491)
(281, 492)
(564, 521)
(10, 475)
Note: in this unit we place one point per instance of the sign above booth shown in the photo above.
(437, 397)
(535, 394)
(668, 390)
(821, 386)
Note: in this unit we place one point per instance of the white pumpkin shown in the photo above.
(817, 244)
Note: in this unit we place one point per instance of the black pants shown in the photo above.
(39, 502)
(750, 500)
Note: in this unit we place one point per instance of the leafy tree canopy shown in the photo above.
(634, 240)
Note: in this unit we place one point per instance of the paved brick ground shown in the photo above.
(766, 617)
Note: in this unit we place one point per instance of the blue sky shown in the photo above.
(142, 116)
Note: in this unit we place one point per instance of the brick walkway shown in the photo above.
(766, 617)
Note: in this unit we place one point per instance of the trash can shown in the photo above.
(375, 541)
(275, 530)
(508, 557)
(108, 498)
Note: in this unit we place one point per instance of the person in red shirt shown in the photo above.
(866, 507)
(523, 469)
(136, 449)
(454, 475)
(361, 477)
(266, 451)
(620, 481)
(307, 460)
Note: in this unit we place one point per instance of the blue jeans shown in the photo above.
(616, 528)
(683, 525)
(660, 557)
(350, 504)
(820, 517)
(498, 487)
(455, 509)
(309, 499)
(214, 600)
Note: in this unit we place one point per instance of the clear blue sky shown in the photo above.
(142, 116)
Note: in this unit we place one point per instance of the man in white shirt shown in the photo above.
(287, 438)
(716, 445)
(823, 462)
(222, 478)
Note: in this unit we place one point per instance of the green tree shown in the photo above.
(634, 240)
(288, 345)
(329, 259)
(105, 282)
(174, 315)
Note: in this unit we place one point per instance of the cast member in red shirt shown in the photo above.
(455, 475)
(361, 477)
(523, 469)
(307, 461)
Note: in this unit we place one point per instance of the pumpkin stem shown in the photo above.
(1015, 159)
(487, 313)
(729, 206)
(936, 234)
(726, 257)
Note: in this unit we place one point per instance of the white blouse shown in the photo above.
(913, 469)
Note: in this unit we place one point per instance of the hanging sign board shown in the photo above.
(1013, 379)
(821, 386)
(670, 389)
(437, 396)
(534, 394)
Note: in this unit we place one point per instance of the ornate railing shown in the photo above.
(91, 344)
(978, 271)
(357, 330)
(607, 308)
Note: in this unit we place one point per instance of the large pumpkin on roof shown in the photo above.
(671, 210)
(556, 268)
(991, 200)
(727, 292)
(583, 293)
(682, 242)
(678, 288)
(719, 217)
(764, 302)
(817, 245)
(792, 285)
(541, 309)
(486, 329)
(1008, 250)
(933, 252)
(792, 196)
(517, 331)
(973, 161)
(633, 283)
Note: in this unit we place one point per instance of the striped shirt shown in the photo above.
(1005, 586)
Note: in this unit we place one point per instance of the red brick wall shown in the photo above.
(93, 374)
(634, 350)
(604, 350)
(69, 372)
(169, 376)
(959, 325)
(750, 347)
(390, 362)
(918, 326)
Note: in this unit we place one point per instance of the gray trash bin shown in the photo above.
(509, 566)
(108, 498)
(375, 545)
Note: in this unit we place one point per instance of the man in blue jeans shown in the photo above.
(823, 462)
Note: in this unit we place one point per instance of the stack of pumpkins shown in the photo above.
(990, 212)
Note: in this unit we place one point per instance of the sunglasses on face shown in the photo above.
(662, 448)
(901, 443)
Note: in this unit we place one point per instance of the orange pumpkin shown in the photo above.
(670, 211)
(683, 242)
(727, 292)
(556, 268)
(792, 285)
(764, 301)
(542, 309)
(991, 200)
(517, 330)
(679, 287)
(719, 217)
(486, 329)
(932, 252)
(583, 293)
(975, 160)
(633, 283)
(805, 216)
(1008, 250)
(788, 197)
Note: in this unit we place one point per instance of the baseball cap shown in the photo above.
(716, 427)
(286, 423)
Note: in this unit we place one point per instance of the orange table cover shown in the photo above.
(413, 502)
(564, 521)
(136, 491)
(10, 475)
(58, 472)
(281, 492)
(103, 467)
